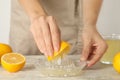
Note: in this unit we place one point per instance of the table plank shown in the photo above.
(30, 72)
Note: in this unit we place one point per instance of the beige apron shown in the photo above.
(66, 13)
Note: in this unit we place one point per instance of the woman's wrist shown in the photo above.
(89, 26)
(36, 15)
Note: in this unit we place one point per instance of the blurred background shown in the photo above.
(108, 22)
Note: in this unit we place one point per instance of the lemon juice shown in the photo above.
(113, 48)
(64, 67)
(60, 66)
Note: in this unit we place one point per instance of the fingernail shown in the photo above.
(88, 66)
(88, 62)
(82, 59)
(46, 54)
(45, 51)
(41, 51)
(50, 53)
(56, 49)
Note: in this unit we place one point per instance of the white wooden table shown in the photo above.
(30, 72)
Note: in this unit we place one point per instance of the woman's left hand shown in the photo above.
(94, 46)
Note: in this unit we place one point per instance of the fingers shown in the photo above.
(38, 36)
(55, 32)
(98, 53)
(86, 50)
(93, 46)
(93, 52)
(46, 34)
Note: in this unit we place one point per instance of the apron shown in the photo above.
(66, 13)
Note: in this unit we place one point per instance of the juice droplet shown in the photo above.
(59, 60)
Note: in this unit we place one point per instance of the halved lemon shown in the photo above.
(12, 62)
(64, 49)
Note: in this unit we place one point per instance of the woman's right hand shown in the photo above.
(46, 34)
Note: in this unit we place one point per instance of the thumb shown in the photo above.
(85, 51)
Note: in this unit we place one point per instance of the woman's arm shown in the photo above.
(94, 45)
(45, 31)
(91, 9)
(33, 8)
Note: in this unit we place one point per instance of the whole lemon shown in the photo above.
(116, 62)
(4, 48)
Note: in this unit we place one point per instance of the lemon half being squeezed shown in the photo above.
(64, 49)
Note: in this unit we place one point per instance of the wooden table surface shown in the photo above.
(30, 72)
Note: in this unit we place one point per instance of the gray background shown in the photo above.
(108, 22)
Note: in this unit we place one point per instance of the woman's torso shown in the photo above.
(67, 14)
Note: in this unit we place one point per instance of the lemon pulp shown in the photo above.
(64, 49)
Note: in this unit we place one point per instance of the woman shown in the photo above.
(47, 22)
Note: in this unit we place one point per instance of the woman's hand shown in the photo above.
(94, 46)
(46, 34)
